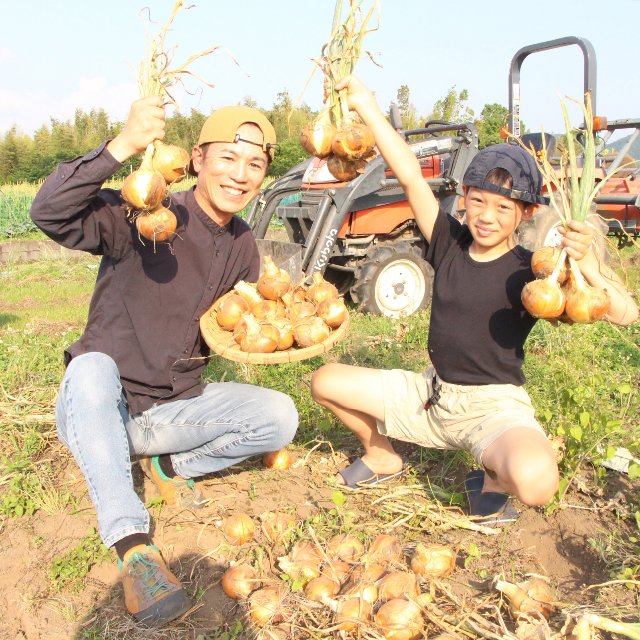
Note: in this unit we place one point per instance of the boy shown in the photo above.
(473, 399)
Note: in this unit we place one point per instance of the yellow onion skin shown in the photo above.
(230, 311)
(399, 585)
(277, 526)
(274, 282)
(249, 292)
(279, 460)
(433, 560)
(157, 225)
(321, 588)
(545, 260)
(353, 142)
(312, 331)
(320, 289)
(527, 599)
(345, 547)
(345, 170)
(300, 293)
(303, 563)
(587, 305)
(170, 161)
(333, 311)
(337, 570)
(240, 328)
(543, 299)
(369, 572)
(285, 334)
(239, 581)
(385, 550)
(266, 606)
(316, 138)
(353, 613)
(400, 620)
(239, 529)
(300, 310)
(259, 338)
(144, 189)
(269, 310)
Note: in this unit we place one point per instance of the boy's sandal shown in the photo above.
(359, 476)
(489, 508)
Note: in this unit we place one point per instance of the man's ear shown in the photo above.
(530, 210)
(196, 158)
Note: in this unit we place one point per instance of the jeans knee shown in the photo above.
(282, 420)
(94, 376)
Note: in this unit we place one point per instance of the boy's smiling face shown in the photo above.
(492, 220)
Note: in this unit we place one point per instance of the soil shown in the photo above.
(556, 546)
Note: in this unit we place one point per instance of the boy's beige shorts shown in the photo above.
(466, 417)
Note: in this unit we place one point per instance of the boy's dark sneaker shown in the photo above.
(492, 507)
(152, 594)
(176, 491)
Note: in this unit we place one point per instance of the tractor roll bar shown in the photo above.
(590, 69)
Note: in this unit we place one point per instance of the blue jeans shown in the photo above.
(228, 423)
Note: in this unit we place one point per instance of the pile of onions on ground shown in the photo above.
(360, 587)
(274, 314)
(560, 291)
(145, 190)
(337, 135)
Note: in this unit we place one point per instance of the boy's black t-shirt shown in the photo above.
(478, 322)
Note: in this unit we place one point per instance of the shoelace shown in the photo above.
(186, 491)
(143, 567)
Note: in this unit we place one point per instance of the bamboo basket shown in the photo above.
(223, 343)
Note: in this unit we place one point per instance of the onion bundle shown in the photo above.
(336, 135)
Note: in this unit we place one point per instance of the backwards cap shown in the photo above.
(527, 179)
(222, 126)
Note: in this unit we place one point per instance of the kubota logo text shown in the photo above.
(325, 254)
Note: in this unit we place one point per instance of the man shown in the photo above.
(132, 384)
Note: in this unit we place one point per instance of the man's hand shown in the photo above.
(144, 125)
(577, 241)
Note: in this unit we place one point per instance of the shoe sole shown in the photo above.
(168, 608)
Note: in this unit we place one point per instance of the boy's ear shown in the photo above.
(529, 211)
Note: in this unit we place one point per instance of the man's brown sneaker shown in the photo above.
(176, 492)
(153, 595)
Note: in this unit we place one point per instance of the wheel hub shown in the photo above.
(400, 288)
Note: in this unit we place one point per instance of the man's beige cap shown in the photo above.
(222, 126)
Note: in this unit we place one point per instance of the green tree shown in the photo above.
(492, 118)
(452, 107)
(408, 111)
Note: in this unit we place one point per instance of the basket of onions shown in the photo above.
(275, 321)
(336, 135)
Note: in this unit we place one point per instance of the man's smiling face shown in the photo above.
(230, 174)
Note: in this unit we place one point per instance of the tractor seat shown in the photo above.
(535, 139)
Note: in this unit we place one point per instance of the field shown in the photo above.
(57, 581)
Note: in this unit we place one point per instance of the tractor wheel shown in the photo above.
(542, 231)
(393, 280)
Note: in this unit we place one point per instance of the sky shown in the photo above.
(57, 57)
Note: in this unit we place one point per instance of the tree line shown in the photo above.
(25, 158)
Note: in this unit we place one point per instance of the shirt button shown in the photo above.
(217, 252)
(210, 287)
(174, 378)
(184, 351)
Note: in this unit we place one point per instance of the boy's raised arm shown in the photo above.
(396, 152)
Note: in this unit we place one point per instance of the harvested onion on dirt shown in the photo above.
(238, 529)
(337, 570)
(352, 613)
(369, 572)
(303, 563)
(365, 590)
(230, 310)
(433, 560)
(274, 282)
(385, 550)
(157, 225)
(321, 588)
(280, 460)
(397, 585)
(320, 289)
(400, 620)
(533, 596)
(277, 526)
(333, 311)
(345, 547)
(259, 338)
(266, 606)
(239, 581)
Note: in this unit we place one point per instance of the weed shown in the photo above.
(223, 633)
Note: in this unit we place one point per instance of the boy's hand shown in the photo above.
(359, 98)
(578, 240)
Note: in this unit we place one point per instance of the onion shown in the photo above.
(157, 225)
(145, 188)
(352, 613)
(333, 311)
(400, 620)
(239, 581)
(316, 138)
(370, 572)
(259, 338)
(277, 526)
(299, 293)
(240, 327)
(230, 310)
(310, 332)
(266, 606)
(433, 560)
(274, 282)
(365, 590)
(303, 563)
(320, 289)
(319, 589)
(269, 310)
(345, 547)
(543, 298)
(285, 334)
(239, 529)
(345, 170)
(546, 259)
(353, 141)
(306, 551)
(399, 584)
(385, 550)
(586, 304)
(248, 292)
(535, 596)
(280, 460)
(170, 161)
(298, 310)
(337, 570)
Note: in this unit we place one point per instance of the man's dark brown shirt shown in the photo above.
(148, 300)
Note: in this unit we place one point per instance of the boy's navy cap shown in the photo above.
(527, 179)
